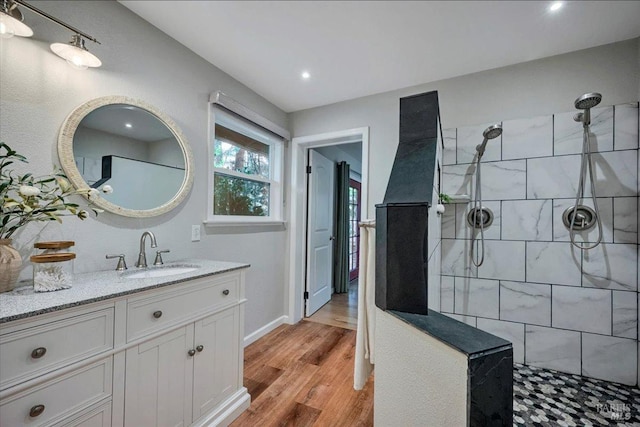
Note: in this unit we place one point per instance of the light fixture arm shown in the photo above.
(56, 20)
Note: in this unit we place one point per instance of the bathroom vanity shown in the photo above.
(116, 350)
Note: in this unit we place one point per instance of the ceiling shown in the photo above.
(358, 48)
(129, 121)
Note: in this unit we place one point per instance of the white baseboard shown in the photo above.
(255, 336)
(227, 411)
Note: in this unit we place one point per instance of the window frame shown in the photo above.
(276, 145)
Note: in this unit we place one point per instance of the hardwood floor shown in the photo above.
(341, 311)
(302, 375)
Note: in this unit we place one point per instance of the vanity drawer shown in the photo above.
(56, 400)
(93, 417)
(33, 351)
(146, 315)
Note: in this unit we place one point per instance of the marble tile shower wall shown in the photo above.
(563, 308)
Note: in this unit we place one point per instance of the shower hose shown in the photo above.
(477, 209)
(585, 163)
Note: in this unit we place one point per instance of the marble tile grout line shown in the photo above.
(551, 306)
(613, 127)
(541, 325)
(456, 151)
(612, 308)
(544, 157)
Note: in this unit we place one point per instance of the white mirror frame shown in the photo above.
(65, 153)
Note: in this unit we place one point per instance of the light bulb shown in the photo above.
(555, 6)
(76, 62)
(76, 54)
(10, 26)
(6, 31)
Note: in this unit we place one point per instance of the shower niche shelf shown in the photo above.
(459, 198)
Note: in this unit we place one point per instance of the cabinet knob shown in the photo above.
(191, 352)
(38, 352)
(225, 292)
(157, 314)
(36, 410)
(200, 348)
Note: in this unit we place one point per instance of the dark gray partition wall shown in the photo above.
(401, 230)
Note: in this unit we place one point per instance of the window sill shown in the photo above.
(222, 223)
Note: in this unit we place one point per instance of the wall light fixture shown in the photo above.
(74, 52)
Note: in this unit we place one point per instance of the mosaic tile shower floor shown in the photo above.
(543, 397)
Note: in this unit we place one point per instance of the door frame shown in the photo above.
(294, 297)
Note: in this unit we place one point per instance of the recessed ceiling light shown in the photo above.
(129, 125)
(306, 75)
(556, 5)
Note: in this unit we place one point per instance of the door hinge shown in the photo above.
(309, 169)
(306, 295)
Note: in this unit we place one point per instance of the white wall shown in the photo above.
(94, 144)
(524, 90)
(406, 356)
(166, 152)
(141, 185)
(38, 90)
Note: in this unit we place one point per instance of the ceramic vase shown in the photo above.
(10, 263)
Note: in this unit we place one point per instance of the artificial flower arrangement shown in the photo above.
(26, 198)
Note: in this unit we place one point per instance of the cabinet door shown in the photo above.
(159, 380)
(216, 365)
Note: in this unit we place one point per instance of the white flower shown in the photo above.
(93, 193)
(28, 190)
(107, 189)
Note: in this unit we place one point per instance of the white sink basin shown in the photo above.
(161, 271)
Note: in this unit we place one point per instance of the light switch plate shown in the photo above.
(195, 233)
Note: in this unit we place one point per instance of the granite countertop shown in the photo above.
(87, 288)
(458, 335)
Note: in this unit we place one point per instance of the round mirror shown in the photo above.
(132, 147)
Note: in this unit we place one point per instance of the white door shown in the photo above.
(320, 230)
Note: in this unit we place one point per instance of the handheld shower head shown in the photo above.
(586, 102)
(491, 132)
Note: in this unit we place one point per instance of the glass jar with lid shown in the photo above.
(54, 247)
(52, 271)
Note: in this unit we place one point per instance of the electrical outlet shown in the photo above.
(195, 233)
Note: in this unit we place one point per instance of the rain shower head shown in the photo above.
(588, 100)
(491, 132)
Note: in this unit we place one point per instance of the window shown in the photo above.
(245, 183)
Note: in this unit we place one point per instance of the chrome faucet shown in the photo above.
(142, 256)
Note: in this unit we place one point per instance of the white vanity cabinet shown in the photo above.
(182, 375)
(57, 367)
(171, 355)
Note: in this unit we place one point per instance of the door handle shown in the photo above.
(332, 237)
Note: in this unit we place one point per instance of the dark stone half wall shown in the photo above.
(401, 220)
(401, 258)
